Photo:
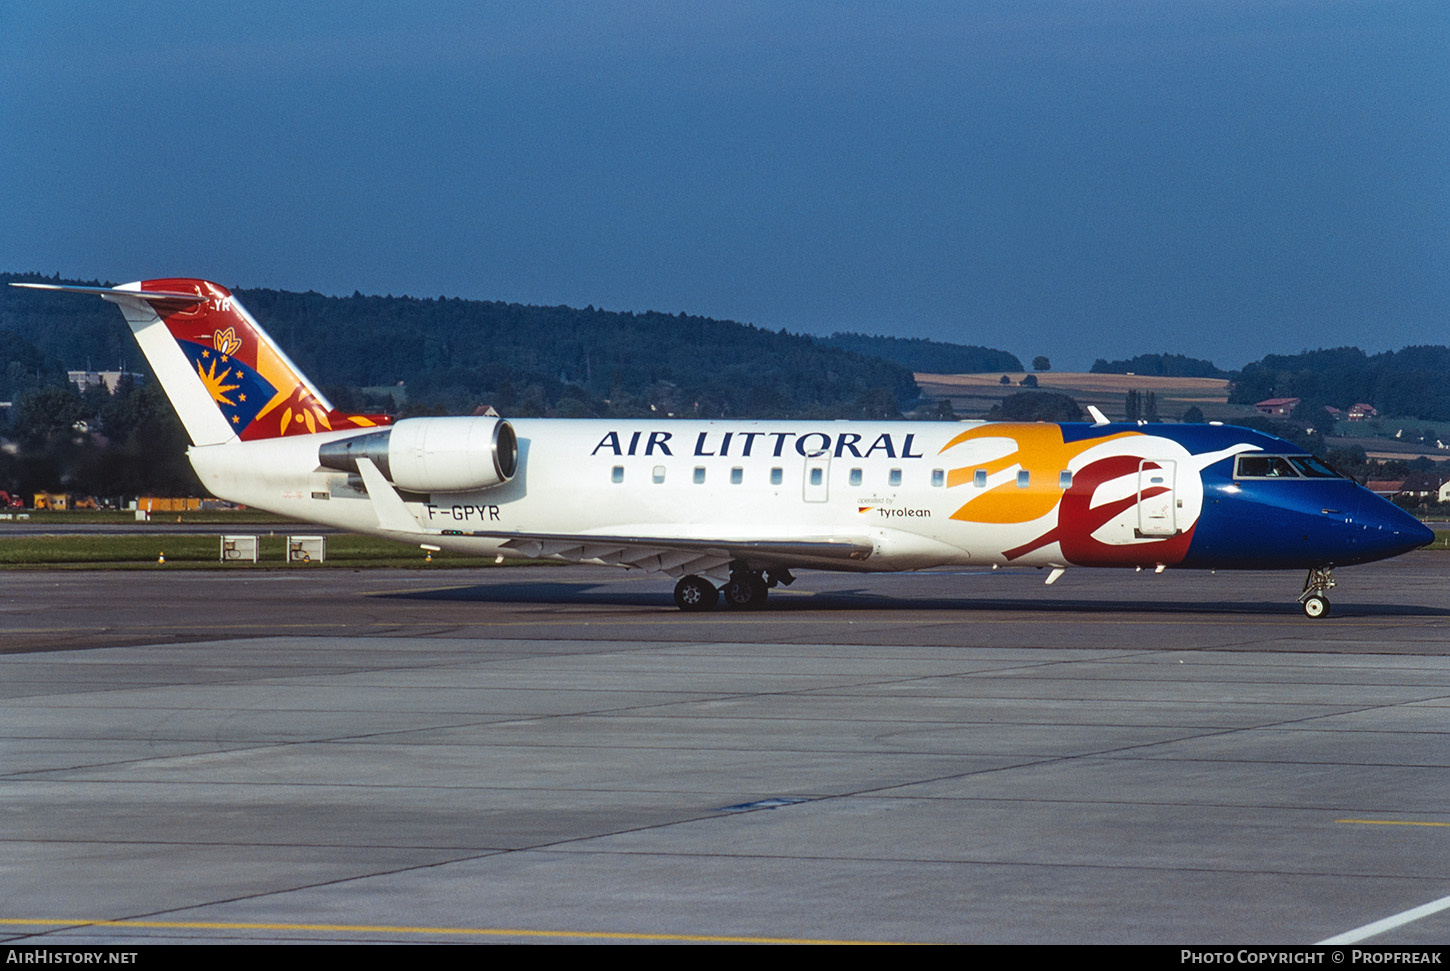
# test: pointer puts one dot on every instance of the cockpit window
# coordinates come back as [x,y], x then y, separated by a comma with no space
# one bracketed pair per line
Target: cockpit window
[1313,468]
[1264,467]
[1258,466]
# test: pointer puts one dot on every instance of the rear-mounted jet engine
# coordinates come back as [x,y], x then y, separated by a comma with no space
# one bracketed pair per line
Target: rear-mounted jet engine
[432,454]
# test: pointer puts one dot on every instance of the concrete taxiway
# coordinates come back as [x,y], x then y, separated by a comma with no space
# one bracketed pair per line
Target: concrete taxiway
[557,754]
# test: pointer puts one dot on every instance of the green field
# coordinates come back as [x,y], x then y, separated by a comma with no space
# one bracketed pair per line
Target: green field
[217,516]
[141,552]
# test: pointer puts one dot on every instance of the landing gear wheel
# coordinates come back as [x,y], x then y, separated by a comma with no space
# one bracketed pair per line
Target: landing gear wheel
[694,593]
[1319,582]
[745,591]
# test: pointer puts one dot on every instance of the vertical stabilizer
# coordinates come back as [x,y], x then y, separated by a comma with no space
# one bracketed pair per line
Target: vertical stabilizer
[223,373]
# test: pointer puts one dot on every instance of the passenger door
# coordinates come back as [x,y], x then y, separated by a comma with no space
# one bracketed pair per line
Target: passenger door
[817,477]
[1157,498]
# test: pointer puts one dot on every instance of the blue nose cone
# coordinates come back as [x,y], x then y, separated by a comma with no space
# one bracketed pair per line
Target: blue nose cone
[1390,531]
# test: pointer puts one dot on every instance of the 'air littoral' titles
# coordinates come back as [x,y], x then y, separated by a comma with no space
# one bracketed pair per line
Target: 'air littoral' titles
[741,444]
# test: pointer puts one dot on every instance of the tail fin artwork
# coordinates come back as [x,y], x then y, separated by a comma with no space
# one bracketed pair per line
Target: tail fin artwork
[224,375]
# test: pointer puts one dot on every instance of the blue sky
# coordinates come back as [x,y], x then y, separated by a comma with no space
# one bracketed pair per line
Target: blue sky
[1078,179]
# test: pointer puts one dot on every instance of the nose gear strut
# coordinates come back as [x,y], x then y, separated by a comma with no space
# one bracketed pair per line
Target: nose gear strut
[1320,579]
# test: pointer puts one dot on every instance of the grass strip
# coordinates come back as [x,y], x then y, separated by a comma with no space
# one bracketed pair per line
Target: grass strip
[128,552]
[112,517]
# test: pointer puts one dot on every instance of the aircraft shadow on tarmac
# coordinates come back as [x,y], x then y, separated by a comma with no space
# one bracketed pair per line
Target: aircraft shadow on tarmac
[587,594]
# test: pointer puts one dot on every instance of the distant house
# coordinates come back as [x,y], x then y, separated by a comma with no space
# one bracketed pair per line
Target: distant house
[1361,411]
[1277,407]
[1389,488]
[90,379]
[1425,485]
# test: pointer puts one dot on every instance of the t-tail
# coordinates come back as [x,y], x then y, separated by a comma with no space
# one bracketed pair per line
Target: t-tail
[226,378]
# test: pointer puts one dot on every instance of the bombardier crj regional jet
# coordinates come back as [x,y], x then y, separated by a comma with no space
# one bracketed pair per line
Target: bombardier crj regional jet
[730,508]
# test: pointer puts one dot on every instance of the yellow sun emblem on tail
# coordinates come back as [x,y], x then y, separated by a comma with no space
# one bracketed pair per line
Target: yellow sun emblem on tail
[213,382]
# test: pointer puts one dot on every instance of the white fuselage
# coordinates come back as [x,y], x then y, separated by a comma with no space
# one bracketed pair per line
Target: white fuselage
[917,494]
[680,479]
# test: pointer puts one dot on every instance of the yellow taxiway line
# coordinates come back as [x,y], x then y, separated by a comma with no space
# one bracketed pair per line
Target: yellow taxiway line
[443,931]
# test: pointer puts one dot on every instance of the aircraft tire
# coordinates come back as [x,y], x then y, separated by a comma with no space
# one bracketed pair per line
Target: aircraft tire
[693,594]
[745,591]
[1316,606]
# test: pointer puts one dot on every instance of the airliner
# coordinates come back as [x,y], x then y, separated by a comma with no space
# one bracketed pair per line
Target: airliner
[730,508]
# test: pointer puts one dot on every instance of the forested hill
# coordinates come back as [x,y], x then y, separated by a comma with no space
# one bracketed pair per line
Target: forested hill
[452,355]
[1162,366]
[1410,382]
[931,357]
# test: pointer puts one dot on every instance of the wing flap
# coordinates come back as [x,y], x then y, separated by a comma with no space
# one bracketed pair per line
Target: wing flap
[675,555]
[679,556]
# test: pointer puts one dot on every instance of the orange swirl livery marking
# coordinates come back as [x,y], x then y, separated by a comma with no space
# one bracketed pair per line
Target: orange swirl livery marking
[1040,451]
[1091,521]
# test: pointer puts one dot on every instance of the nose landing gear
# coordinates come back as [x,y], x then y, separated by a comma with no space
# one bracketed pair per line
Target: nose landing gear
[1319,580]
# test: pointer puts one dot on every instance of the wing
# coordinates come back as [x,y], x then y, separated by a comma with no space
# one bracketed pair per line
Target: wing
[702,555]
[679,556]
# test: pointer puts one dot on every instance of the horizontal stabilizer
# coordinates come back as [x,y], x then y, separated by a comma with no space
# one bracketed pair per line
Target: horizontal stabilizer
[107,292]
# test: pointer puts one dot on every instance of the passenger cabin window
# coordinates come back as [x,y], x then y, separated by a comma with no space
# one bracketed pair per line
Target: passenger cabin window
[699,475]
[776,476]
[938,478]
[617,475]
[737,475]
[894,478]
[979,478]
[658,475]
[855,477]
[1024,479]
[1064,479]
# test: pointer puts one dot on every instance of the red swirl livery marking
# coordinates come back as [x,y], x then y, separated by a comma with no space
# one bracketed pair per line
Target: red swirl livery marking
[1078,519]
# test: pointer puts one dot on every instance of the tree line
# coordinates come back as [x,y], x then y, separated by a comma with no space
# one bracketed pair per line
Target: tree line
[1410,382]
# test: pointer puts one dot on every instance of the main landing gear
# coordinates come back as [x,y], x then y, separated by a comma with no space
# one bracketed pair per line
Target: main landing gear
[694,593]
[745,590]
[1319,580]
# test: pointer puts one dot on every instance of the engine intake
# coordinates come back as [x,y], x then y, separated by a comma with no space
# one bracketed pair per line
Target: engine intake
[433,454]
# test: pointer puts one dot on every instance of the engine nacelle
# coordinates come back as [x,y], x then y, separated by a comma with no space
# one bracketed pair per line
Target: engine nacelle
[433,454]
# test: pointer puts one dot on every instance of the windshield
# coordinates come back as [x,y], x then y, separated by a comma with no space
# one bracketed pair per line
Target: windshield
[1313,468]
[1260,466]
